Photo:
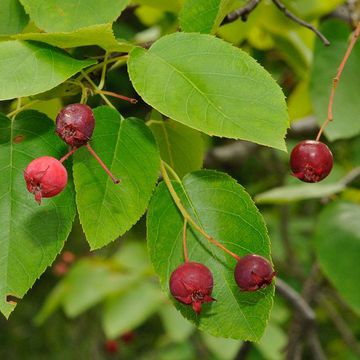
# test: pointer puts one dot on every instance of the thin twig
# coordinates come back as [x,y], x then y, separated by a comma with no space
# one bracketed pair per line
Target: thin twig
[336,80]
[242,13]
[301,22]
[122,97]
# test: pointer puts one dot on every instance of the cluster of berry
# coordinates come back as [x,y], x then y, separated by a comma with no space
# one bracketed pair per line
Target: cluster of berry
[46,176]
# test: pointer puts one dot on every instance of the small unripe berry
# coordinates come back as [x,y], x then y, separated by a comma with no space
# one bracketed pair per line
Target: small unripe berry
[75,124]
[192,283]
[253,272]
[45,177]
[311,161]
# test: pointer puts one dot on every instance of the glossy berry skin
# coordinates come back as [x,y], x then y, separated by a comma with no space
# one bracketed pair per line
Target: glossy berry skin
[192,284]
[45,177]
[253,272]
[311,161]
[75,124]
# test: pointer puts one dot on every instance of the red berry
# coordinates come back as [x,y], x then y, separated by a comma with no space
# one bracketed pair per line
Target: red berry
[128,337]
[45,177]
[311,161]
[60,268]
[111,347]
[75,124]
[253,272]
[192,283]
[68,257]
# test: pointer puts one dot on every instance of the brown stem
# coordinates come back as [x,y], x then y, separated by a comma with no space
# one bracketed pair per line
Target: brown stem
[301,22]
[93,153]
[122,97]
[242,13]
[68,154]
[184,242]
[336,81]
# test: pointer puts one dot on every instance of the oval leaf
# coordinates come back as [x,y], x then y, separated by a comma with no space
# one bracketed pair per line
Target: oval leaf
[31,235]
[128,148]
[228,214]
[180,146]
[207,84]
[69,15]
[337,244]
[20,64]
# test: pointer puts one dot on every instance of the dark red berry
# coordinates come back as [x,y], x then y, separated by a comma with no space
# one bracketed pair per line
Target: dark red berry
[45,177]
[75,124]
[311,161]
[128,337]
[253,272]
[111,347]
[192,283]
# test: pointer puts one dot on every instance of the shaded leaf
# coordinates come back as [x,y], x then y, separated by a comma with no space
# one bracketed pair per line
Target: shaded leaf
[128,148]
[229,215]
[13,18]
[31,235]
[207,84]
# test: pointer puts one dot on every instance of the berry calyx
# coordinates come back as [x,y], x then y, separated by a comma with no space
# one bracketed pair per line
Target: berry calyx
[45,177]
[192,283]
[311,161]
[253,272]
[75,124]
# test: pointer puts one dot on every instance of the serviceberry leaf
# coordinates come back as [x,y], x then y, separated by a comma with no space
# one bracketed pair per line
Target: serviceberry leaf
[129,150]
[214,87]
[180,146]
[69,15]
[226,212]
[326,60]
[29,68]
[31,235]
[13,18]
[337,244]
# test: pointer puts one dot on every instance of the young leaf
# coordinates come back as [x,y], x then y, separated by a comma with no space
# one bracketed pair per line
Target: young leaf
[207,84]
[128,148]
[326,61]
[227,213]
[204,16]
[69,15]
[101,35]
[337,244]
[28,68]
[130,309]
[13,18]
[31,235]
[180,146]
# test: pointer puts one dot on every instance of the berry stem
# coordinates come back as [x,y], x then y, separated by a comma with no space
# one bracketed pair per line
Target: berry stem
[93,153]
[122,97]
[103,71]
[187,216]
[186,256]
[68,154]
[336,79]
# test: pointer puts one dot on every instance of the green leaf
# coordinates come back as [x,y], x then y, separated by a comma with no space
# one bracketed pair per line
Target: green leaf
[272,344]
[224,349]
[13,18]
[69,15]
[128,148]
[346,106]
[28,68]
[204,16]
[228,214]
[180,146]
[291,193]
[337,244]
[165,5]
[131,309]
[215,88]
[101,35]
[31,235]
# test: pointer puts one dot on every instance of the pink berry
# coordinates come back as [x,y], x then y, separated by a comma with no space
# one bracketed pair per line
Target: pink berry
[45,177]
[75,124]
[253,272]
[311,161]
[192,283]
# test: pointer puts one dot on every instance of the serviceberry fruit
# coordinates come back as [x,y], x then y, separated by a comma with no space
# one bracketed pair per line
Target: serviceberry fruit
[192,283]
[75,124]
[45,177]
[111,347]
[311,161]
[253,272]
